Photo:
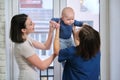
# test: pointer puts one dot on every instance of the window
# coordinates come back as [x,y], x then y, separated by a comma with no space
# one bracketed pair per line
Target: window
[86,11]
[41,11]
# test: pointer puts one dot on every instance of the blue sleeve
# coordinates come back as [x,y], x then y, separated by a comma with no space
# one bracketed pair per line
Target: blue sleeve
[78,23]
[56,19]
[65,54]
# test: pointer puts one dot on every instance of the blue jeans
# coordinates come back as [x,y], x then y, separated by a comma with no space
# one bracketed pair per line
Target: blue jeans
[65,43]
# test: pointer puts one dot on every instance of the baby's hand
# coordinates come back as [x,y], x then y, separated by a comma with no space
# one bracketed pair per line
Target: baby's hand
[54,24]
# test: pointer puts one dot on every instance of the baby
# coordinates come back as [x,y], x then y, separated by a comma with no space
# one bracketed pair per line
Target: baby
[66,23]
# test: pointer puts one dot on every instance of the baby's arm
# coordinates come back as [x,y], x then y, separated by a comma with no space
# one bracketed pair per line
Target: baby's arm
[78,23]
[56,19]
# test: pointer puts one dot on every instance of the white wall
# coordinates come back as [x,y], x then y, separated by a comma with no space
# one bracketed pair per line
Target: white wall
[110,37]
[114,9]
[105,39]
[2,41]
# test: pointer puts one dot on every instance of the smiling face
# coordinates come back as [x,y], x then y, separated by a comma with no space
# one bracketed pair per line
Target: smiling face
[29,26]
[68,15]
[68,18]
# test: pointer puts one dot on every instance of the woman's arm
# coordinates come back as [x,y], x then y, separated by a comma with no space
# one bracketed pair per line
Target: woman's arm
[47,44]
[75,36]
[56,41]
[41,64]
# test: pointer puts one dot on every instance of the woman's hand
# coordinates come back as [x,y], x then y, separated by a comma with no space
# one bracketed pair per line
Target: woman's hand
[53,25]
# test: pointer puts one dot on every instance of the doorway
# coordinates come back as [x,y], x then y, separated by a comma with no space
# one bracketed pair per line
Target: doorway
[38,11]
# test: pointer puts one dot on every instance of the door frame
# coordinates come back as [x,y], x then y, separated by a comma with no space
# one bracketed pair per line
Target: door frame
[11,8]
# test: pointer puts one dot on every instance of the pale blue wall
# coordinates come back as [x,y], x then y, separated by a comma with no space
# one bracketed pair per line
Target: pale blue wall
[114,39]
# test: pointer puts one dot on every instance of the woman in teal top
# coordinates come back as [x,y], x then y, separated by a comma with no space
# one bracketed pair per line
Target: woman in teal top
[82,60]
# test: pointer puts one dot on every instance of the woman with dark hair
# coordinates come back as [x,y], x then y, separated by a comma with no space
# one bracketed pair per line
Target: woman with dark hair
[82,60]
[26,57]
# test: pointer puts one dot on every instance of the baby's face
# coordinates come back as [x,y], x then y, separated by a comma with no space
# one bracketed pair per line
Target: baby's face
[68,19]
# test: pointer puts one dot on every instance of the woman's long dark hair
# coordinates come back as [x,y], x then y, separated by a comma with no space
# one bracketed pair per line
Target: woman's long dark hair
[89,42]
[17,23]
